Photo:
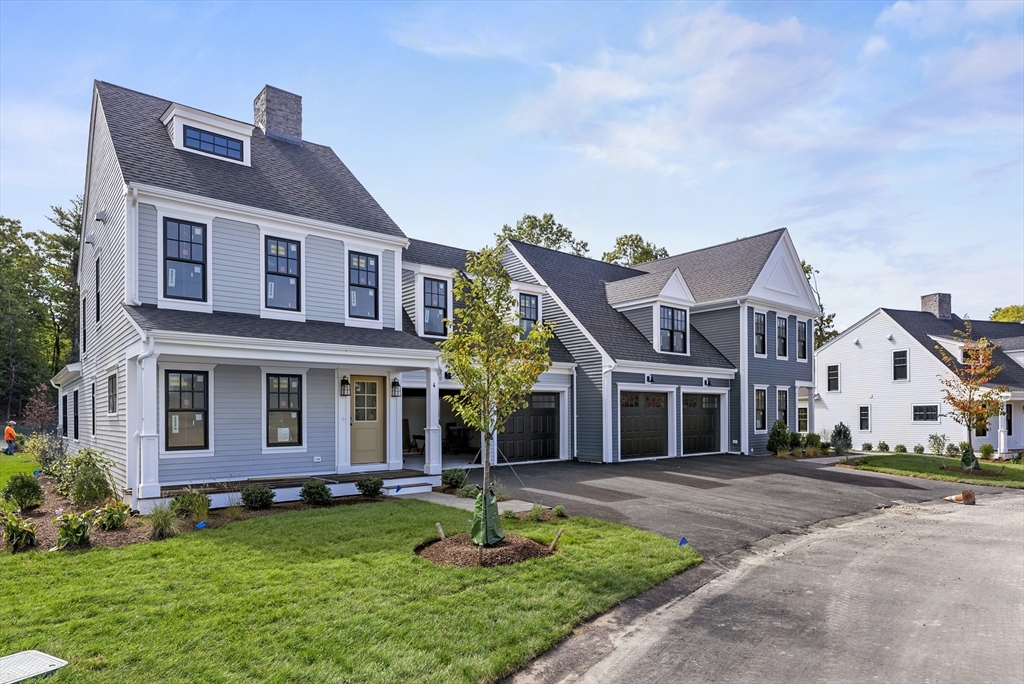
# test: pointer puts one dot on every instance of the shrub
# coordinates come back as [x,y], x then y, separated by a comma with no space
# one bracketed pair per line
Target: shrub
[841,440]
[113,516]
[48,450]
[191,504]
[899,449]
[825,446]
[509,514]
[536,513]
[964,446]
[469,492]
[866,446]
[65,473]
[91,486]
[72,529]
[559,511]
[987,450]
[918,448]
[812,451]
[234,512]
[812,439]
[796,441]
[501,492]
[370,486]
[257,497]
[952,450]
[883,446]
[778,438]
[162,522]
[19,533]
[454,478]
[937,444]
[316,493]
[20,441]
[24,490]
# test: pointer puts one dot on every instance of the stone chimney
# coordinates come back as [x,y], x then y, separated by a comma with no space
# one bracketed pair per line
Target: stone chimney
[278,113]
[939,305]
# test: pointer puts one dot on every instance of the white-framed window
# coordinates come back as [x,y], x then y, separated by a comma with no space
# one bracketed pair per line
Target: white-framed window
[900,365]
[282,273]
[864,418]
[928,413]
[781,336]
[364,273]
[184,259]
[801,340]
[529,304]
[801,419]
[674,329]
[760,334]
[832,377]
[284,402]
[112,394]
[782,406]
[435,306]
[186,415]
[760,408]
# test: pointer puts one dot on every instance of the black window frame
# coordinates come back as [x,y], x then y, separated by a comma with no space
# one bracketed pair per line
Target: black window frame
[905,366]
[430,300]
[93,411]
[1009,420]
[192,409]
[97,289]
[864,418]
[112,393]
[266,418]
[267,272]
[529,305]
[782,407]
[64,415]
[85,319]
[781,337]
[186,140]
[829,378]
[801,340]
[375,288]
[178,259]
[760,334]
[802,419]
[76,416]
[675,327]
[761,409]
[925,410]
[981,429]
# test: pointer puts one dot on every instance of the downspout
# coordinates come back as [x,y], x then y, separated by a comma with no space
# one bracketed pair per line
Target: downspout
[132,242]
[744,381]
[607,400]
[575,421]
[140,387]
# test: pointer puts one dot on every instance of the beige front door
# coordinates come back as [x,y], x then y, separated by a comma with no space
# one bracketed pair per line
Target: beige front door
[368,415]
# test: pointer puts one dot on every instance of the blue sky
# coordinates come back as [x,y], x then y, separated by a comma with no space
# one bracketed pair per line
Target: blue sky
[888,137]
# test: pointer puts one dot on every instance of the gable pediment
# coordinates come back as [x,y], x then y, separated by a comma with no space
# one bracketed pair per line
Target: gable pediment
[668,287]
[782,281]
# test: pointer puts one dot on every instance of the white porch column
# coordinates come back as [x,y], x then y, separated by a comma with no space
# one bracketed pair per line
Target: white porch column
[494,448]
[149,433]
[432,429]
[1002,450]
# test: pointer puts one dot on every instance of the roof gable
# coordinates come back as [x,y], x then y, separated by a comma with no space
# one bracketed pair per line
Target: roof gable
[782,280]
[666,286]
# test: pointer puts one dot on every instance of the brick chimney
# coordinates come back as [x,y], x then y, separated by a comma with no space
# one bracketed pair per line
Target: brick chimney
[278,113]
[939,305]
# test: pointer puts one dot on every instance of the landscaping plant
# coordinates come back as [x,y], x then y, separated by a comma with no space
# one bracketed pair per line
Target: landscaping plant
[113,516]
[918,448]
[937,444]
[469,492]
[986,450]
[899,449]
[91,486]
[509,514]
[24,490]
[778,438]
[883,446]
[191,504]
[65,472]
[796,441]
[455,478]
[48,450]
[952,450]
[841,440]
[257,497]
[162,521]
[536,513]
[559,511]
[812,439]
[370,486]
[316,493]
[866,446]
[19,533]
[72,529]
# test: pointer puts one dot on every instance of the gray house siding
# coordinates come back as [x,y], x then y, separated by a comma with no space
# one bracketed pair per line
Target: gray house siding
[388,289]
[325,290]
[516,269]
[721,328]
[239,427]
[775,373]
[147,253]
[409,294]
[236,266]
[643,320]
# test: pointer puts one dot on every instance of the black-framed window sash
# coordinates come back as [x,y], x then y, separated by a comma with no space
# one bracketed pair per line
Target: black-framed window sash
[981,430]
[97,289]
[926,412]
[85,318]
[185,251]
[284,410]
[186,409]
[865,418]
[435,306]
[760,409]
[899,365]
[673,330]
[75,407]
[528,312]
[781,335]
[1009,420]
[801,419]
[832,373]
[93,410]
[760,332]
[213,143]
[112,393]
[801,340]
[362,286]
[782,407]
[283,277]
[64,416]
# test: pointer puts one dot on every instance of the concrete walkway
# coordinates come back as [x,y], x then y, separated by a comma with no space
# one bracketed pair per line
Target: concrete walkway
[467,504]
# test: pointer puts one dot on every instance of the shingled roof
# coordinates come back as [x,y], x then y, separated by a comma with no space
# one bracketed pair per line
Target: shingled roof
[434,254]
[305,180]
[579,283]
[723,271]
[637,287]
[921,324]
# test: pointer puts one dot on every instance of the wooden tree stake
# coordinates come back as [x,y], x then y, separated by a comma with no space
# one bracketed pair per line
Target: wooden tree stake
[554,542]
[439,530]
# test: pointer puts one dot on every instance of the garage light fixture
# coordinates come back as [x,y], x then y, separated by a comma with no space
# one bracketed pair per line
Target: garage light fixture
[346,387]
[396,388]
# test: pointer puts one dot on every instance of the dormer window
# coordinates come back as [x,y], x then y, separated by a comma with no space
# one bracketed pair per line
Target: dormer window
[212,143]
[435,306]
[528,312]
[673,330]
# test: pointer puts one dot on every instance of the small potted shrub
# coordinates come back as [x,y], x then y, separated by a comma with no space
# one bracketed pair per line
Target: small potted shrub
[370,486]
[24,490]
[316,493]
[257,497]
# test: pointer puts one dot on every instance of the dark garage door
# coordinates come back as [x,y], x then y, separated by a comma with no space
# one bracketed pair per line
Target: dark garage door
[531,434]
[643,423]
[700,423]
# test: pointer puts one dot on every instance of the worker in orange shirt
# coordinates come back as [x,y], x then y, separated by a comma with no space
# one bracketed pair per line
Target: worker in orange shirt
[9,437]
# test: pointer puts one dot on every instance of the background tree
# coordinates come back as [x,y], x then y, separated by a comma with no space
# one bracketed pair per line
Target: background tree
[487,353]
[58,252]
[545,232]
[825,329]
[1014,313]
[971,404]
[40,411]
[632,249]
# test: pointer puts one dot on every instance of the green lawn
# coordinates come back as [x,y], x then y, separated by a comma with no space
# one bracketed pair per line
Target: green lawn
[20,462]
[918,465]
[326,595]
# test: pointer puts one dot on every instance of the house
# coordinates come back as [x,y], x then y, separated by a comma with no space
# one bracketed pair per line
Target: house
[881,377]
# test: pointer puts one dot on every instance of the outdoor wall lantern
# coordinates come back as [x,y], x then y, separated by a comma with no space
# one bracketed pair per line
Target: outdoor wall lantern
[346,387]
[396,388]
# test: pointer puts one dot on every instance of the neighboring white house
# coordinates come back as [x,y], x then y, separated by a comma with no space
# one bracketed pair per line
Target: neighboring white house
[881,377]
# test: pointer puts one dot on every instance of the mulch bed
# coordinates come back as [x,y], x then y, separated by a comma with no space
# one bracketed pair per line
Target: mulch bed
[460,551]
[981,472]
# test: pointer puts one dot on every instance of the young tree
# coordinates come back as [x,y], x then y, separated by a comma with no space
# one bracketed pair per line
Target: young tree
[487,352]
[40,410]
[632,249]
[1014,313]
[970,403]
[825,329]
[544,232]
[58,252]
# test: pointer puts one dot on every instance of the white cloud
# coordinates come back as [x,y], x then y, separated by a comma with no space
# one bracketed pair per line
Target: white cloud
[875,45]
[934,17]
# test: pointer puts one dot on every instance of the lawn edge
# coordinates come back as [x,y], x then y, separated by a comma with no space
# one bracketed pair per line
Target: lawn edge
[928,476]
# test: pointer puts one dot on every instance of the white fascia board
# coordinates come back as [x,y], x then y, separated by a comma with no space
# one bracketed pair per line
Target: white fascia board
[761,303]
[233,126]
[430,271]
[561,367]
[785,252]
[247,214]
[68,373]
[682,293]
[851,329]
[672,369]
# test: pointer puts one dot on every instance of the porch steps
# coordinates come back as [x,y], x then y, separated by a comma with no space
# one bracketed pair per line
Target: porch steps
[412,488]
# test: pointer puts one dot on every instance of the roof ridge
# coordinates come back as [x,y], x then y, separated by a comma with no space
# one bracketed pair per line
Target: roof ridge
[577,256]
[721,244]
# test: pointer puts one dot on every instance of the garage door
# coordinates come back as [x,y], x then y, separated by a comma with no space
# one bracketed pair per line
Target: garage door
[643,424]
[531,434]
[700,423]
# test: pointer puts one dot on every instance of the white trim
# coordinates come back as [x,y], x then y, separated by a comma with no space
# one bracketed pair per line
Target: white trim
[870,417]
[938,413]
[186,367]
[398,288]
[745,333]
[276,233]
[177,116]
[656,327]
[808,340]
[892,365]
[677,370]
[764,388]
[283,370]
[370,250]
[111,371]
[673,408]
[851,329]
[92,408]
[164,212]
[753,332]
[532,290]
[785,318]
[723,418]
[419,303]
[839,378]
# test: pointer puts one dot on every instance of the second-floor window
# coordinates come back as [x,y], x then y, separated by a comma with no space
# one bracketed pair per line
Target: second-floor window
[833,378]
[282,286]
[184,260]
[435,306]
[801,340]
[781,328]
[97,290]
[899,365]
[673,330]
[927,413]
[212,143]
[528,312]
[362,285]
[759,334]
[84,317]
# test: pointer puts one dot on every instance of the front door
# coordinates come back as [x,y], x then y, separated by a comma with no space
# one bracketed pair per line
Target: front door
[368,420]
[643,422]
[700,423]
